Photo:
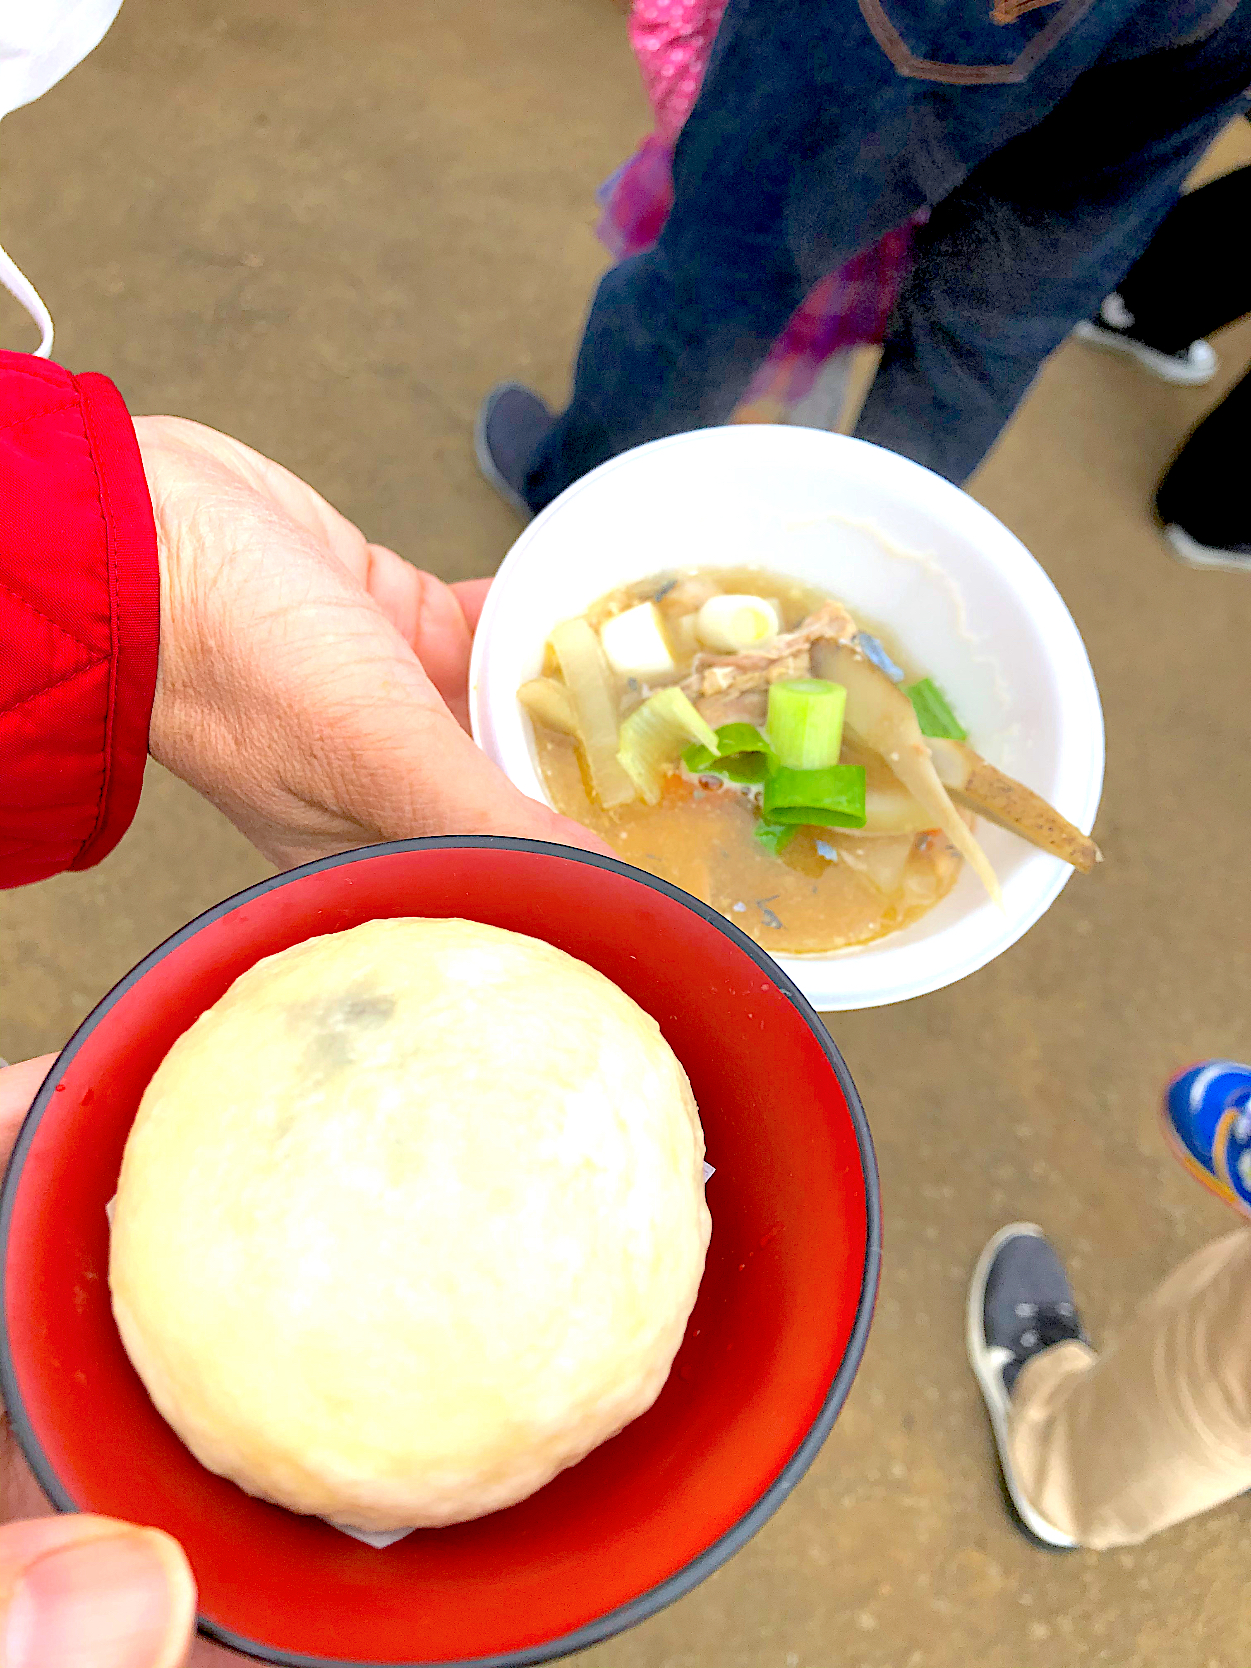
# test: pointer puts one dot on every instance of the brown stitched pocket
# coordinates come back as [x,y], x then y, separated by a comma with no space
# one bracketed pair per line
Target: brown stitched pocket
[1007,11]
[909,63]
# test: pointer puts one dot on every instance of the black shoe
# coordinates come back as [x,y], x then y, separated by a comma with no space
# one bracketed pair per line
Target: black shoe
[1020,1303]
[511,423]
[1195,554]
[1113,327]
[1184,495]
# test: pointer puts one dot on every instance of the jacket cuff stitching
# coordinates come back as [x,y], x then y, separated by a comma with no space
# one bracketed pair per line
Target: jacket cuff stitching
[115,627]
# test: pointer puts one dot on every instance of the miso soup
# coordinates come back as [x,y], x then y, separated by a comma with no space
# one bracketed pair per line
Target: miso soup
[741,735]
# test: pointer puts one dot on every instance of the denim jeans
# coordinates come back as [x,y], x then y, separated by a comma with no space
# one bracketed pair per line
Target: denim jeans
[1049,140]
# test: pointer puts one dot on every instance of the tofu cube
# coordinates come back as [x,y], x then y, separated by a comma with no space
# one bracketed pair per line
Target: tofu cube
[636,645]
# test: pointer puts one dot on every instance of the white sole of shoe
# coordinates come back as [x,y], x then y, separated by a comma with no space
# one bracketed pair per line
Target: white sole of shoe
[1167,366]
[1196,555]
[486,463]
[987,1362]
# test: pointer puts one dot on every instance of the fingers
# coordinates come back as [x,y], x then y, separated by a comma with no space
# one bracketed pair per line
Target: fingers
[438,620]
[566,832]
[18,1087]
[464,793]
[472,595]
[429,616]
[89,1592]
[450,786]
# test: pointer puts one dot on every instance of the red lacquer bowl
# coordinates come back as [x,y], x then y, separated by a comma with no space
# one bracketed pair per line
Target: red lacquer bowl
[777,1333]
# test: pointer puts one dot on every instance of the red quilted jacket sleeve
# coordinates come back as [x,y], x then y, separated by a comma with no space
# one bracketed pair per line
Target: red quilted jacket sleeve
[79,619]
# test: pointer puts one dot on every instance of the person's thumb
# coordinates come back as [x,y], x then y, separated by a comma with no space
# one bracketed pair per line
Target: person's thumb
[89,1592]
[18,1086]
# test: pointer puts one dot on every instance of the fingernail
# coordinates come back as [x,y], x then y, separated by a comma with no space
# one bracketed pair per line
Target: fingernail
[123,1601]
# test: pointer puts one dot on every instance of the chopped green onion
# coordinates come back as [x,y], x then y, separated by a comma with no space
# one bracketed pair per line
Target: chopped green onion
[653,736]
[739,767]
[933,711]
[776,836]
[744,767]
[806,722]
[831,798]
[740,738]
[743,755]
[699,760]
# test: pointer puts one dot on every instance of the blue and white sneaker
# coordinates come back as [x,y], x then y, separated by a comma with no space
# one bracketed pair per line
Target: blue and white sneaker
[1207,1122]
[1020,1304]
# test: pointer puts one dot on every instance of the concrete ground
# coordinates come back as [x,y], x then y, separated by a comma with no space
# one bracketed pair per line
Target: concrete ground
[327,229]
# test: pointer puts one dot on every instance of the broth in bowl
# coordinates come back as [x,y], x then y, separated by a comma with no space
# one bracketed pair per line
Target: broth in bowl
[741,735]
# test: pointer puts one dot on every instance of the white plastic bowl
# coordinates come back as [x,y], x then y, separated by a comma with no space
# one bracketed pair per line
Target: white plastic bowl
[891,540]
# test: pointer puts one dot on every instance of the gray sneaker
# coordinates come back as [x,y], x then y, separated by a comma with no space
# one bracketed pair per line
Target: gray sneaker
[512,421]
[1020,1303]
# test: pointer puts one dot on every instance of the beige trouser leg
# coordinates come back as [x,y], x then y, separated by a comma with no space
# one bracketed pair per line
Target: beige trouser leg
[1111,1447]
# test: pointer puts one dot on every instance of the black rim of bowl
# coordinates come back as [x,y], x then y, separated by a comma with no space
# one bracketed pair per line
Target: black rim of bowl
[712,1557]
